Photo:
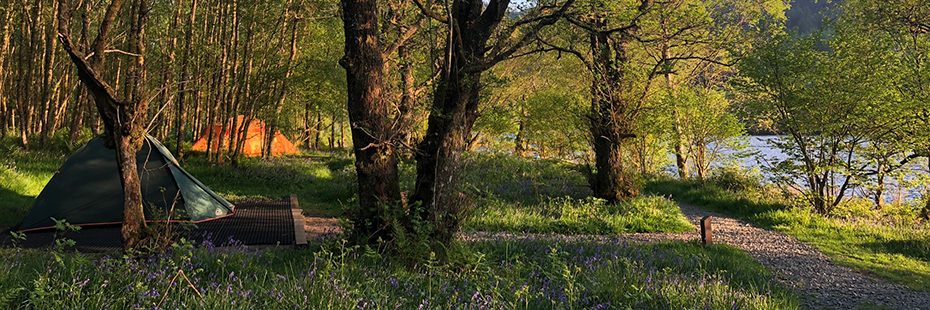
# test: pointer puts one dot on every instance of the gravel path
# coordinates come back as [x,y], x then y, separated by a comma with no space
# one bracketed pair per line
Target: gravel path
[821,283]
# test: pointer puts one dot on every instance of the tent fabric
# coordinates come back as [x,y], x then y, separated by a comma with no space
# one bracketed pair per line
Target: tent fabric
[254,141]
[87,190]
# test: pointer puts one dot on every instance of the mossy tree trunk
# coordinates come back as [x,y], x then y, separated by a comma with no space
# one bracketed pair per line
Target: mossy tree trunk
[612,116]
[370,118]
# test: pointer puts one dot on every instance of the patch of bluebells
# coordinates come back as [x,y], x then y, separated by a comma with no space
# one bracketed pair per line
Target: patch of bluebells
[637,276]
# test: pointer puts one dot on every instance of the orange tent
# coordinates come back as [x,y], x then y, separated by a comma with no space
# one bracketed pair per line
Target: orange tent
[255,137]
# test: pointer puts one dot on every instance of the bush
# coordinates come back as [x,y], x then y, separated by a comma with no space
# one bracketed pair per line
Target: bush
[737,179]
[864,209]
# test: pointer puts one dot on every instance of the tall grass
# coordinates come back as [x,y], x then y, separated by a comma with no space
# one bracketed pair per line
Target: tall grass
[524,275]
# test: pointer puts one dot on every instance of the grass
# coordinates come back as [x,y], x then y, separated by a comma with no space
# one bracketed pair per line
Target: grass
[509,193]
[548,196]
[523,275]
[534,195]
[582,216]
[23,175]
[896,250]
[324,184]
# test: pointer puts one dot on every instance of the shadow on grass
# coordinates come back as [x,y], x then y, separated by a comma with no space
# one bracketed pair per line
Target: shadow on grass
[520,181]
[13,206]
[916,248]
[714,198]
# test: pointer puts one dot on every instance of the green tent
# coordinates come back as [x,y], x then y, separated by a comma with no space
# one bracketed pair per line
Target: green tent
[86,190]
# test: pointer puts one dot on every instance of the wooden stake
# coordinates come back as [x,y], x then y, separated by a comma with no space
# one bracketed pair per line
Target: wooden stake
[707,235]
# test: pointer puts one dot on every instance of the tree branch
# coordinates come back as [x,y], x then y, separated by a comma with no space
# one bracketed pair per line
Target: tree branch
[430,13]
[86,73]
[531,34]
[401,41]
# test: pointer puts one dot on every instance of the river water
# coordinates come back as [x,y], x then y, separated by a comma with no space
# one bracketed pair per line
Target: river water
[760,154]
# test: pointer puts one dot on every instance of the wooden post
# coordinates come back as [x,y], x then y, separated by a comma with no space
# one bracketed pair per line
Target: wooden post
[300,234]
[707,235]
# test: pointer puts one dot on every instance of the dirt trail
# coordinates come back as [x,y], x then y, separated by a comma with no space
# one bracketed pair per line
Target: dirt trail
[819,282]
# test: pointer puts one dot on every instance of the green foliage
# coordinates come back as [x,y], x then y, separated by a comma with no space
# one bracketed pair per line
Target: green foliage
[851,100]
[826,102]
[535,98]
[713,134]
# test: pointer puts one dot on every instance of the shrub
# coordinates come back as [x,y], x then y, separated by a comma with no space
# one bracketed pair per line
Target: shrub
[735,178]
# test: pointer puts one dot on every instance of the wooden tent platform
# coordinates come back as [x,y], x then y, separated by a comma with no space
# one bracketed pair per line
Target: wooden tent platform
[255,223]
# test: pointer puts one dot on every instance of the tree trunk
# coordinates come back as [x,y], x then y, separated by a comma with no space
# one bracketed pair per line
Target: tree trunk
[925,213]
[614,178]
[5,115]
[131,138]
[701,163]
[319,129]
[879,196]
[183,80]
[453,112]
[125,121]
[77,117]
[439,154]
[244,89]
[406,106]
[369,114]
[332,132]
[681,155]
[292,56]
[232,93]
[27,104]
[168,75]
[342,135]
[307,134]
[48,113]
[520,140]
